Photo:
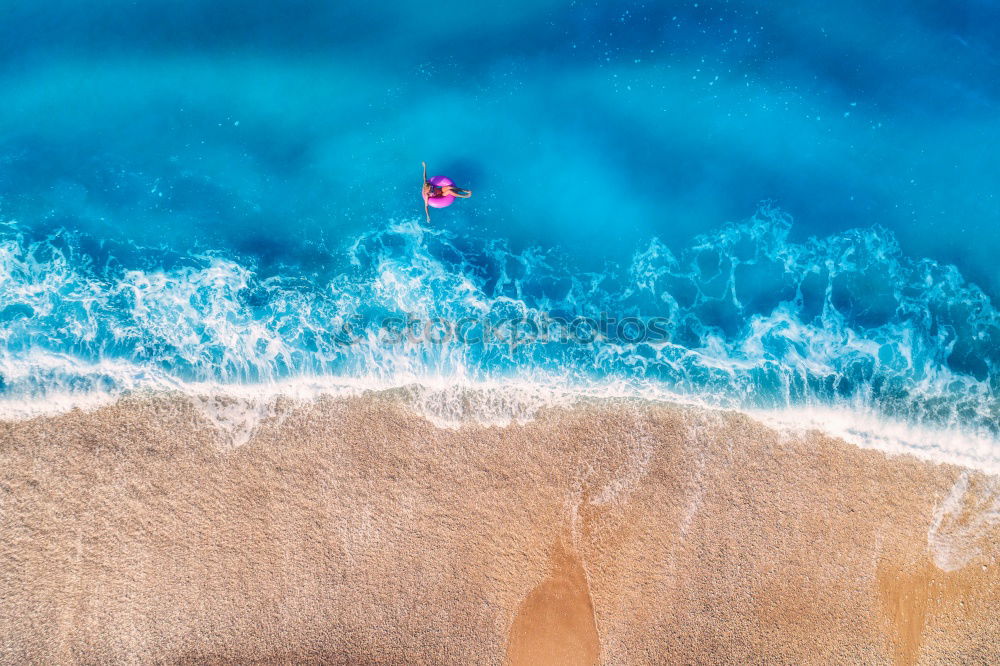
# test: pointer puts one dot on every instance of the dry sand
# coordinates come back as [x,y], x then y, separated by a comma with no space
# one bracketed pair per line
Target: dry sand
[354,531]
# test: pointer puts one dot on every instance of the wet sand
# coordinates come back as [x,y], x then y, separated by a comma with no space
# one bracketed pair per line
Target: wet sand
[354,531]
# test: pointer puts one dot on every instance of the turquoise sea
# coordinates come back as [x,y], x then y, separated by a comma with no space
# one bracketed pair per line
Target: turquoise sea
[767,206]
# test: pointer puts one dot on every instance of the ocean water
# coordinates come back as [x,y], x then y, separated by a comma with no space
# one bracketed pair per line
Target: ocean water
[775,207]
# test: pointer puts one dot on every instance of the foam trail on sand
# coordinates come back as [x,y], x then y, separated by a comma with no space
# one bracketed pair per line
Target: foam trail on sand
[962,522]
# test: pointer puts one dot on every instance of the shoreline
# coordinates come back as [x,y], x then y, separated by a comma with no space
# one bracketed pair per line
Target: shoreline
[352,529]
[449,402]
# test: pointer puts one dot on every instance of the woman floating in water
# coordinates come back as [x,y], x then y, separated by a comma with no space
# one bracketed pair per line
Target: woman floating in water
[439,192]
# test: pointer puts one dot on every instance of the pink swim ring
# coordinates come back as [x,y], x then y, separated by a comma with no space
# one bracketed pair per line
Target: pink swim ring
[440,202]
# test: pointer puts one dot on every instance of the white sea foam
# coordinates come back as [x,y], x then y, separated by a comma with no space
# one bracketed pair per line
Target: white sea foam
[866,429]
[844,333]
[236,410]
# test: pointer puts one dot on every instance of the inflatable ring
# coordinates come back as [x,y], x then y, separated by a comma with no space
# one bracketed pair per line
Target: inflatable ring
[440,202]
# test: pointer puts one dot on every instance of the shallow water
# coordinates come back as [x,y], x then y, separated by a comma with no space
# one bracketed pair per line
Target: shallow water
[207,192]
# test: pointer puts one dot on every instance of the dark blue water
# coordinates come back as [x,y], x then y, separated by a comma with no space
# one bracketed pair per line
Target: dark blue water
[805,194]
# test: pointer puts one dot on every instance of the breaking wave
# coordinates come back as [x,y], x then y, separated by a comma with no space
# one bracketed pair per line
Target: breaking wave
[744,317]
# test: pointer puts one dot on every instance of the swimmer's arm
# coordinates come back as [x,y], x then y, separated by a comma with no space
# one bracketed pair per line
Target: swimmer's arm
[423,192]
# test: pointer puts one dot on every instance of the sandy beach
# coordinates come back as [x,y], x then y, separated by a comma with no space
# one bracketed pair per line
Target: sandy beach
[354,531]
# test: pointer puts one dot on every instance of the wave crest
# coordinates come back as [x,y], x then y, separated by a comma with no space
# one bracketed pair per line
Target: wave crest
[750,319]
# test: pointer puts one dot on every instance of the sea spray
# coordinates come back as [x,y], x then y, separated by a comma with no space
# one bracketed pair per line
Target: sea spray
[742,318]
